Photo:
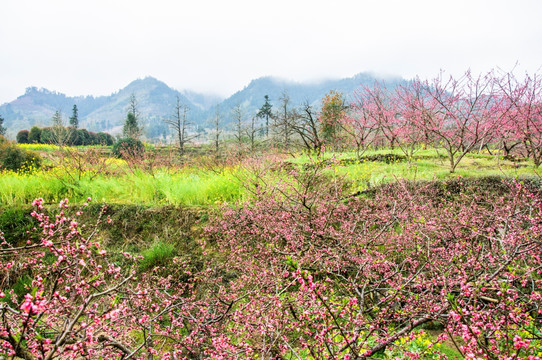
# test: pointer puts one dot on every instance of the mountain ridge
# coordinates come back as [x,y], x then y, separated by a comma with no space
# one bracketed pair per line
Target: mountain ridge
[156,101]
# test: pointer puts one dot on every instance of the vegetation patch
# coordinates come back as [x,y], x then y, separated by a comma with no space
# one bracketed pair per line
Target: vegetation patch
[385,158]
[16,223]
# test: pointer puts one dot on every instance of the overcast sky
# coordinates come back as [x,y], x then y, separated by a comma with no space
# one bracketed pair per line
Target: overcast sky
[97,47]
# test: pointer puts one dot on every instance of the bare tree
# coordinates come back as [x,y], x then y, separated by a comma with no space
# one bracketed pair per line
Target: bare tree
[463,113]
[217,122]
[283,121]
[237,114]
[180,123]
[59,133]
[307,127]
[252,133]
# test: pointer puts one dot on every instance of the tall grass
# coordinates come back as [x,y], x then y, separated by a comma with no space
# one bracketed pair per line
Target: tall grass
[186,187]
[198,186]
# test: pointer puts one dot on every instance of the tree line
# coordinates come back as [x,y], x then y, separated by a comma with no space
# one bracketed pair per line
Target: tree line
[68,136]
[59,134]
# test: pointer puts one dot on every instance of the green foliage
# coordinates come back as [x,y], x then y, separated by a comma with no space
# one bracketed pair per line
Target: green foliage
[21,287]
[333,109]
[204,186]
[64,136]
[128,147]
[387,158]
[105,139]
[159,254]
[15,222]
[74,119]
[16,159]
[189,187]
[34,137]
[82,137]
[265,112]
[131,128]
[57,120]
[419,345]
[47,136]
[2,128]
[22,137]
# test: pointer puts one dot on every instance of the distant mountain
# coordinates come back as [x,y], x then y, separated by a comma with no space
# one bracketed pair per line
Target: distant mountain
[202,101]
[251,98]
[156,101]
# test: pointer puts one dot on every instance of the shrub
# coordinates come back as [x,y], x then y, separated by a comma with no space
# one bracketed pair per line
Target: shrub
[47,136]
[15,159]
[105,139]
[34,136]
[83,137]
[73,137]
[128,147]
[369,271]
[94,138]
[22,137]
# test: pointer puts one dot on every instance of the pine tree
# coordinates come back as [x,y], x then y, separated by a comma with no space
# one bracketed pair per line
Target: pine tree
[2,128]
[265,112]
[130,129]
[74,119]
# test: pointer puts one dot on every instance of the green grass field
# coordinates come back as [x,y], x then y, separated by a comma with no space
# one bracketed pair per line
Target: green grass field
[193,185]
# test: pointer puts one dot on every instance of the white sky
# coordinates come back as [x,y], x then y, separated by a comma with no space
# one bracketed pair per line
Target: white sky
[81,47]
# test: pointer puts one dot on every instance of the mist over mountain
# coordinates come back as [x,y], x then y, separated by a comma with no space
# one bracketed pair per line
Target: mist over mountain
[156,102]
[251,98]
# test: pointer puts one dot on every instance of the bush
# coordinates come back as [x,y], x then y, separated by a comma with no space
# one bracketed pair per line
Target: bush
[105,139]
[22,137]
[16,159]
[73,136]
[47,136]
[128,147]
[83,137]
[93,138]
[34,136]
